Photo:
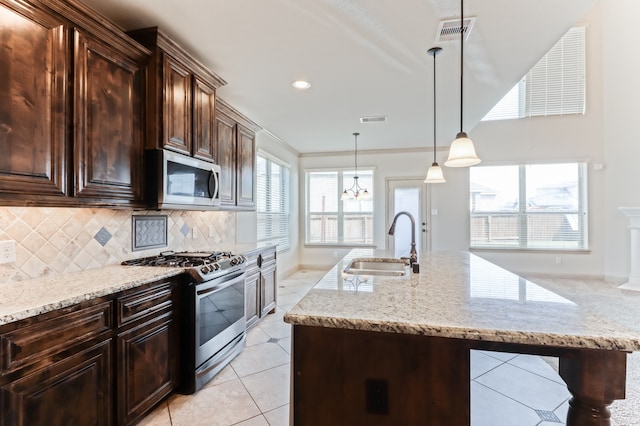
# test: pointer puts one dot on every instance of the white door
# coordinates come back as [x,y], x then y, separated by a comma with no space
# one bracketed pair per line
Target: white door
[408,195]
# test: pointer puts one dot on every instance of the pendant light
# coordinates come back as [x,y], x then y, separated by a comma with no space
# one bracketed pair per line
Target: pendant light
[356,191]
[434,174]
[462,152]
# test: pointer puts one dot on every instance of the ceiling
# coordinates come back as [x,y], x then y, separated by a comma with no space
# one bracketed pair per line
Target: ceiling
[362,57]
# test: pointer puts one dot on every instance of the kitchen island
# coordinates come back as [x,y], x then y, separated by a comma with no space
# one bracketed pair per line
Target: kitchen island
[395,350]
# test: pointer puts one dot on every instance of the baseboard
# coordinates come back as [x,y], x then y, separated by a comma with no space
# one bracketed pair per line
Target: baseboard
[316,267]
[533,275]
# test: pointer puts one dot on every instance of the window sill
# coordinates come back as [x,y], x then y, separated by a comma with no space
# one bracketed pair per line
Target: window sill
[337,245]
[528,250]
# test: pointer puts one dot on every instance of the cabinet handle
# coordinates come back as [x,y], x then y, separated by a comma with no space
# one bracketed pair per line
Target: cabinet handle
[259,261]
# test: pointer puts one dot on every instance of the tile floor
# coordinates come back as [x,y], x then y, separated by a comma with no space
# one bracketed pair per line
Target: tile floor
[506,389]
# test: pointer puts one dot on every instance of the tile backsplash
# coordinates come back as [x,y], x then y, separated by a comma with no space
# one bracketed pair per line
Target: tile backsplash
[52,241]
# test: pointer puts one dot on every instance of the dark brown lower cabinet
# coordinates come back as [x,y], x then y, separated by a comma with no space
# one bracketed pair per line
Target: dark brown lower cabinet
[147,349]
[106,361]
[251,300]
[73,391]
[145,375]
[260,284]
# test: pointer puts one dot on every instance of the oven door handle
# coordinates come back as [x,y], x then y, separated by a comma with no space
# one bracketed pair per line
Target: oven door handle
[229,280]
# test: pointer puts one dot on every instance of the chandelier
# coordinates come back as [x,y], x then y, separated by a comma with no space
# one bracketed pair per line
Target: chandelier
[356,191]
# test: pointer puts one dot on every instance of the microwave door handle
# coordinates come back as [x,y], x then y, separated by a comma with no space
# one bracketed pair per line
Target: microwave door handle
[214,177]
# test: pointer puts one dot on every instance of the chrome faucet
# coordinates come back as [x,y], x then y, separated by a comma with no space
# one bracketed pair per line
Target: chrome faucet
[413,257]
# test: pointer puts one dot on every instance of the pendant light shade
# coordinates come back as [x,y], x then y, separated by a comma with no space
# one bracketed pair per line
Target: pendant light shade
[434,174]
[462,153]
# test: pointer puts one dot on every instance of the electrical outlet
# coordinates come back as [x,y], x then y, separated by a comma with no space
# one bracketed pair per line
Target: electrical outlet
[377,396]
[212,231]
[7,251]
[558,260]
[194,233]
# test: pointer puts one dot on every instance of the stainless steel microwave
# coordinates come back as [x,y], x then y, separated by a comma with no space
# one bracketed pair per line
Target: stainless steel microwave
[183,182]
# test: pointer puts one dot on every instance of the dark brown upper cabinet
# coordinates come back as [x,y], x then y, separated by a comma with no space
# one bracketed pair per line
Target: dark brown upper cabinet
[204,108]
[108,122]
[34,104]
[181,97]
[246,165]
[235,146]
[70,135]
[226,149]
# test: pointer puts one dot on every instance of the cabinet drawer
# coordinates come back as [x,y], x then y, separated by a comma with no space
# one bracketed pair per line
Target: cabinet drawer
[268,256]
[145,304]
[36,343]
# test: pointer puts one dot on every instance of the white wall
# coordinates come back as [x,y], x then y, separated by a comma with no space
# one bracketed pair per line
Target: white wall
[288,261]
[621,63]
[539,139]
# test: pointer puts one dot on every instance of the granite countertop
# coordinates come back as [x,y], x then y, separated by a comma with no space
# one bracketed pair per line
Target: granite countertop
[460,295]
[24,299]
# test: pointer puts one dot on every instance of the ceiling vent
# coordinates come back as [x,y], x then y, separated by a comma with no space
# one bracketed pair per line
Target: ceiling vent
[374,119]
[449,30]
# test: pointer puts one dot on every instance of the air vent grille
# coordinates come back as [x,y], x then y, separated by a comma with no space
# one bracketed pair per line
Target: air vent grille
[449,30]
[374,119]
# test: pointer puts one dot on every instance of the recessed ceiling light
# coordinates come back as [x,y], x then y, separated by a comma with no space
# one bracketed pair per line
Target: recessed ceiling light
[301,84]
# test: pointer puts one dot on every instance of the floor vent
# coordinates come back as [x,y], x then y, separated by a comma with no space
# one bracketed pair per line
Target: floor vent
[449,30]
[374,119]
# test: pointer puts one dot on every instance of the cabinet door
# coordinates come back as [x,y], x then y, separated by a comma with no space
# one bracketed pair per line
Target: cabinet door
[147,369]
[73,391]
[177,106]
[33,104]
[268,289]
[246,167]
[108,122]
[226,158]
[204,102]
[252,287]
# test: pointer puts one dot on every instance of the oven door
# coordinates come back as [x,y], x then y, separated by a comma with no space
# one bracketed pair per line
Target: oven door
[188,182]
[219,314]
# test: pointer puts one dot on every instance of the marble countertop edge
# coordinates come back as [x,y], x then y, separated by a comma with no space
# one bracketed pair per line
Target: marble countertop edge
[568,341]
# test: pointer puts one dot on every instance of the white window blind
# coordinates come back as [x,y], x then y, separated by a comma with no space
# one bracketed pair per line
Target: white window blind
[556,85]
[537,206]
[329,220]
[272,203]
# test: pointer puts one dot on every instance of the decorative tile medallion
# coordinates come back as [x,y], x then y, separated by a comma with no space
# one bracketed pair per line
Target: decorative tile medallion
[102,236]
[148,232]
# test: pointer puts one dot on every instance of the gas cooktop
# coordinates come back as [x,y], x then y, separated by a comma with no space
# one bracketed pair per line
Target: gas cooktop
[202,266]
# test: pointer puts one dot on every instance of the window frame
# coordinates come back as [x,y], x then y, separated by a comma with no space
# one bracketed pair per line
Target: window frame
[285,185]
[341,214]
[523,212]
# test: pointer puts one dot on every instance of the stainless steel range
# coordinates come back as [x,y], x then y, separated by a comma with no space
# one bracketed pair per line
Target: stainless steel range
[213,316]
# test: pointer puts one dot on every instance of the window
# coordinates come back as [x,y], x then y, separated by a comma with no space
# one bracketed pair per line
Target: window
[538,206]
[332,221]
[272,202]
[554,86]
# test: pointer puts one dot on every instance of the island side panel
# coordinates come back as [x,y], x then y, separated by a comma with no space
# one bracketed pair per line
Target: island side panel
[362,377]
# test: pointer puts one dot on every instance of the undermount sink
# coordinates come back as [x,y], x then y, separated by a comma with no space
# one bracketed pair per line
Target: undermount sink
[377,266]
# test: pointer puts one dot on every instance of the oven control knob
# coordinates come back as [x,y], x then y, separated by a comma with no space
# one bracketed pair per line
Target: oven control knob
[215,267]
[235,261]
[204,269]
